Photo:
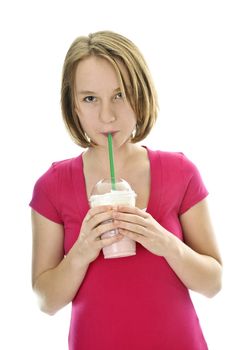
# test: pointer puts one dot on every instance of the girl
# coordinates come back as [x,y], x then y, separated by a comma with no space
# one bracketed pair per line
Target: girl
[137,302]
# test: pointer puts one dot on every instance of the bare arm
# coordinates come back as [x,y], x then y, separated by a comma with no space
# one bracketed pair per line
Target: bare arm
[55,278]
[196,261]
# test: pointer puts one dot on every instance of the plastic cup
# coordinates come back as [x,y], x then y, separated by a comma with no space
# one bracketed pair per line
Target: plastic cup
[103,194]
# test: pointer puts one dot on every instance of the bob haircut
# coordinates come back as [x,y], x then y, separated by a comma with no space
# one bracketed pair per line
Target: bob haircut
[116,49]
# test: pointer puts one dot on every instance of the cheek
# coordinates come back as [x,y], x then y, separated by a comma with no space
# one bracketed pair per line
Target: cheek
[87,123]
[128,114]
[86,113]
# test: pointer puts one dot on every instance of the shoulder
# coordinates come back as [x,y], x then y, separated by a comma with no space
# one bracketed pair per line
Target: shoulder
[172,160]
[174,167]
[58,170]
[64,165]
[180,179]
[52,187]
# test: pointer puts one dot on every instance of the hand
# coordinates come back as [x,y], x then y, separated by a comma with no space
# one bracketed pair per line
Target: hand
[89,242]
[144,229]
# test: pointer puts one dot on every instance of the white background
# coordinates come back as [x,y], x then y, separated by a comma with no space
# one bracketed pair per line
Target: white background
[187,45]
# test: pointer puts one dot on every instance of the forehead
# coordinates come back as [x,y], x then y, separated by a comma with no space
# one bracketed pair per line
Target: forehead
[98,72]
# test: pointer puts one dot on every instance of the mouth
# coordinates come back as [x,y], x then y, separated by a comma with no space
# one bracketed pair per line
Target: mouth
[109,132]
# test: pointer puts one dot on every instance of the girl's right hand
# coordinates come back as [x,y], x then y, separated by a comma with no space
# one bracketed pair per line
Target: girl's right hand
[89,243]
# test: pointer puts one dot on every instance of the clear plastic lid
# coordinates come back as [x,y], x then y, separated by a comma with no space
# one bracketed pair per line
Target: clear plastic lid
[103,194]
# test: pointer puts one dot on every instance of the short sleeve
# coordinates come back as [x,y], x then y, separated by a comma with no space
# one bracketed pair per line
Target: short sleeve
[45,198]
[194,187]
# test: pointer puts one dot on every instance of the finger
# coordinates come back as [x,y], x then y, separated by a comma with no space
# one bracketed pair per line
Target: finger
[97,210]
[104,242]
[101,218]
[103,228]
[135,237]
[133,218]
[132,227]
[133,210]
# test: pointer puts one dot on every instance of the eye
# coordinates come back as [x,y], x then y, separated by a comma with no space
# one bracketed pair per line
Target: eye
[89,99]
[118,96]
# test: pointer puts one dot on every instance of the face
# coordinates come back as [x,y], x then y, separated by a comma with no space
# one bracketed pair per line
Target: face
[100,104]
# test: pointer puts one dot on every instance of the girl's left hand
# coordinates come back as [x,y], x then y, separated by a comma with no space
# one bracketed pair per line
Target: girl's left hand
[141,227]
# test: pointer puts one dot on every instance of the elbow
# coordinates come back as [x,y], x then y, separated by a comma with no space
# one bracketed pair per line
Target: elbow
[213,291]
[216,285]
[47,309]
[208,291]
[211,286]
[43,303]
[48,306]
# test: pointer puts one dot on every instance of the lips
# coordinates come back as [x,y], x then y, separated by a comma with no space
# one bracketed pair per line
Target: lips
[106,133]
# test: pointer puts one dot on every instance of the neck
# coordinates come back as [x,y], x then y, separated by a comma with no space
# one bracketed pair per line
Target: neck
[99,156]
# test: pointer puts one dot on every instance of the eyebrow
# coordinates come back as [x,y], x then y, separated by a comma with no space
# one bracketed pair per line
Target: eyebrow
[89,92]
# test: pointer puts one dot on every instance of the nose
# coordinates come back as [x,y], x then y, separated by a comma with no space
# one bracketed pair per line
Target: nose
[106,113]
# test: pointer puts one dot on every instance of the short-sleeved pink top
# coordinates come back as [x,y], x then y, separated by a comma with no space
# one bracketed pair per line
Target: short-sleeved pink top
[137,302]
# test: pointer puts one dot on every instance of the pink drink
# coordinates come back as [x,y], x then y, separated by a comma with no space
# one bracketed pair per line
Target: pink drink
[122,195]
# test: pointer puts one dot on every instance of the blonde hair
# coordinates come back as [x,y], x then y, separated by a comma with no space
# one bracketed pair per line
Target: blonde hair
[116,49]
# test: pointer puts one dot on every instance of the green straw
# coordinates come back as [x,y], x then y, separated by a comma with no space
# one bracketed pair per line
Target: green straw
[111,157]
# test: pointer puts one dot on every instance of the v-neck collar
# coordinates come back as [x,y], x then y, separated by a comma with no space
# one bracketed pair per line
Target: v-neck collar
[155,184]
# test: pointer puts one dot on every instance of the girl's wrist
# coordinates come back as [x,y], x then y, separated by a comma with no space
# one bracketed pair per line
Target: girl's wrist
[174,247]
[76,259]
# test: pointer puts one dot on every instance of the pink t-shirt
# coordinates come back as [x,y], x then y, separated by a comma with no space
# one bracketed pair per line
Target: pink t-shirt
[137,302]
